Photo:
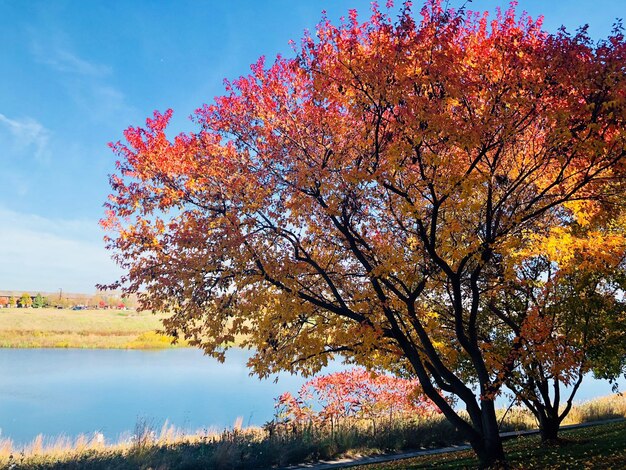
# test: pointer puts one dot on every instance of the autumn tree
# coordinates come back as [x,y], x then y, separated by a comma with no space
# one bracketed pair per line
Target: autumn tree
[563,300]
[61,302]
[25,300]
[356,199]
[12,302]
[352,394]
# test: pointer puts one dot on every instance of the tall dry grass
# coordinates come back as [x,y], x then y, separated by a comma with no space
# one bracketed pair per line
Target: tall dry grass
[612,406]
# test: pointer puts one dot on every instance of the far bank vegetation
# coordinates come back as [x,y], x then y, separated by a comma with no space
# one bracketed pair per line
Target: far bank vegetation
[48,327]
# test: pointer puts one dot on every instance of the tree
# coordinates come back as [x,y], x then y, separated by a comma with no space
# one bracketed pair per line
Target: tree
[127,303]
[38,302]
[12,302]
[25,300]
[355,200]
[565,304]
[353,394]
[4,302]
[61,302]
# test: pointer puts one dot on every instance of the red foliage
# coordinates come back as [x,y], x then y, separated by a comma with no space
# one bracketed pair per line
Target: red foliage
[355,393]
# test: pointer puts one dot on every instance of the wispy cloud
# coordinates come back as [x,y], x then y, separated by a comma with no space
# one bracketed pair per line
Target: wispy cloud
[43,254]
[65,61]
[89,84]
[25,134]
[103,102]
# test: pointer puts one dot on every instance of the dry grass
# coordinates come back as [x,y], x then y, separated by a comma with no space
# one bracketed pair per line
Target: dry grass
[64,328]
[129,449]
[613,406]
[516,419]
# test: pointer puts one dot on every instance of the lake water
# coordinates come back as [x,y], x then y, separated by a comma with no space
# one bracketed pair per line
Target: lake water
[73,391]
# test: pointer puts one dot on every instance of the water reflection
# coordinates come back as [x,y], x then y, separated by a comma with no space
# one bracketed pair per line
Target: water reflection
[70,391]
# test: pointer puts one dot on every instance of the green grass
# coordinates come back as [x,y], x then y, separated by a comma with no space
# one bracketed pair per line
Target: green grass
[64,328]
[596,447]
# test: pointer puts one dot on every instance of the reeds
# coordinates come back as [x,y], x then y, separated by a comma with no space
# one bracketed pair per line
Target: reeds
[612,406]
[235,448]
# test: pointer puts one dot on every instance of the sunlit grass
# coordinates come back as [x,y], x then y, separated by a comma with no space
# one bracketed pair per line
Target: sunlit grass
[596,447]
[64,328]
[613,406]
[146,447]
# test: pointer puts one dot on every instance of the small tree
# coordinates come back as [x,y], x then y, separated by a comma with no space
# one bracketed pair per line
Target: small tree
[353,394]
[12,302]
[4,302]
[127,302]
[62,302]
[566,308]
[39,301]
[96,301]
[25,300]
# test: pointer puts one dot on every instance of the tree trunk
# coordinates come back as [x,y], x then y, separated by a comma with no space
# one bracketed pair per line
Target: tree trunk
[481,431]
[490,452]
[549,428]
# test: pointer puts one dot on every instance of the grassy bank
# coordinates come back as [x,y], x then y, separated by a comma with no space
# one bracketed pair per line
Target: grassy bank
[594,447]
[257,448]
[64,328]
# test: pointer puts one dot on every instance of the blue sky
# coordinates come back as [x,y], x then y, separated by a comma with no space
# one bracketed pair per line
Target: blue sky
[75,74]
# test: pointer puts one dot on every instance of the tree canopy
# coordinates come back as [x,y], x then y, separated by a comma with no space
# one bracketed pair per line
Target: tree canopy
[564,302]
[352,394]
[39,301]
[25,300]
[367,197]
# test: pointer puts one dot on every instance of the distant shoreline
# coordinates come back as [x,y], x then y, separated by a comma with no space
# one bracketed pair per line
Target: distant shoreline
[82,329]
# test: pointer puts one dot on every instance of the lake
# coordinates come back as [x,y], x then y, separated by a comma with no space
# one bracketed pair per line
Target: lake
[73,391]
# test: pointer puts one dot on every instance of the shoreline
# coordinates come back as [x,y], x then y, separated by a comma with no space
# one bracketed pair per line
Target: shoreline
[30,328]
[150,446]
